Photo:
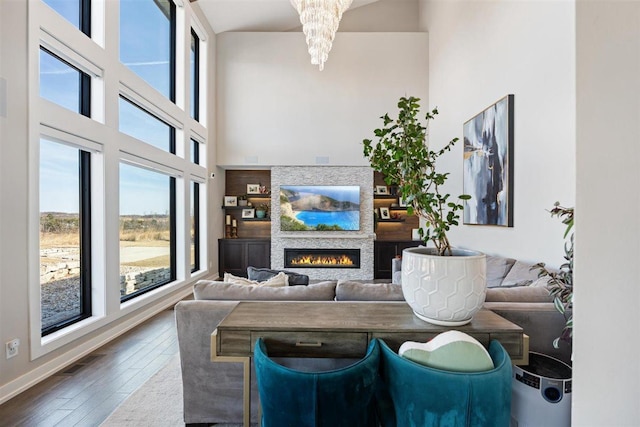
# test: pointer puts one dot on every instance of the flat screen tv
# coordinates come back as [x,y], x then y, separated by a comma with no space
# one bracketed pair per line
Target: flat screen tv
[319,208]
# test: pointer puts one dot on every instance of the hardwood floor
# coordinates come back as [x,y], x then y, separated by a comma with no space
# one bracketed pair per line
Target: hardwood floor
[85,393]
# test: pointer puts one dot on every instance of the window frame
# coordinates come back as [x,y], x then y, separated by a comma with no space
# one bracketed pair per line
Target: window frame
[85,243]
[172,234]
[195,84]
[196,226]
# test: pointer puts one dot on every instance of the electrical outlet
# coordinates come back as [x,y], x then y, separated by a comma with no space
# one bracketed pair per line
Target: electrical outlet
[12,348]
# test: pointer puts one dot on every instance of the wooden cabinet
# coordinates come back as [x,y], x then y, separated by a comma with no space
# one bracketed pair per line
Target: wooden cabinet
[384,251]
[235,255]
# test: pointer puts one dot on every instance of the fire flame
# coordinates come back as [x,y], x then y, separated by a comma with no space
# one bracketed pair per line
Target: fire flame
[322,260]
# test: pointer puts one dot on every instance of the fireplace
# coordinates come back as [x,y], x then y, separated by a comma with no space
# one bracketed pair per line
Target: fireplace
[321,258]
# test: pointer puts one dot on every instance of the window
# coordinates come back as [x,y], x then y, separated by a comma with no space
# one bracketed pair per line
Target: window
[65,235]
[195,152]
[147,42]
[194,63]
[147,230]
[195,227]
[78,12]
[64,84]
[140,124]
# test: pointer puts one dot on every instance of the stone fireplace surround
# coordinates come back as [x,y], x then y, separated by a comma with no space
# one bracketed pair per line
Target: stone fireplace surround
[362,239]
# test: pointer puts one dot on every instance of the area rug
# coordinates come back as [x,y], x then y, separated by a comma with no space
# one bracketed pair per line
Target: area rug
[158,402]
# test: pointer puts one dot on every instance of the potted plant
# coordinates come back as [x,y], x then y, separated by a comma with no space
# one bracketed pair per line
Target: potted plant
[561,281]
[401,153]
[261,210]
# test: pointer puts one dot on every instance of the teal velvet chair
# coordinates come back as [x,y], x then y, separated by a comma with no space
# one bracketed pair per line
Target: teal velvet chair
[342,397]
[416,395]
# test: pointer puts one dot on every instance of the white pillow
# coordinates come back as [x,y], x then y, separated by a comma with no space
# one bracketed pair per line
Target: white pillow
[279,279]
[449,351]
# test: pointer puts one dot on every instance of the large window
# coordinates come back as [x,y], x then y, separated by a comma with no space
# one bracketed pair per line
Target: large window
[147,230]
[147,42]
[138,123]
[195,227]
[78,12]
[64,84]
[65,235]
[194,63]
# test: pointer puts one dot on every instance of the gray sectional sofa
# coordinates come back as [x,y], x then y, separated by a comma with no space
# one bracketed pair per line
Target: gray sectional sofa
[213,390]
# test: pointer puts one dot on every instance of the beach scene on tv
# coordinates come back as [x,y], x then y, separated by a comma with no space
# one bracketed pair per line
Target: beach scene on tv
[319,208]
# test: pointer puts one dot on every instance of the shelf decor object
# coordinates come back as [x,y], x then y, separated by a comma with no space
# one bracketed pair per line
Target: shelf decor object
[320,20]
[488,165]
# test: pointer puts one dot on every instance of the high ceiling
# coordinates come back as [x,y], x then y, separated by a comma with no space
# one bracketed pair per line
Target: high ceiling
[254,15]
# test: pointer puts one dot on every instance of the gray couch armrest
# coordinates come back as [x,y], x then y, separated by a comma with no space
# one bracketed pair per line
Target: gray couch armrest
[208,387]
[540,321]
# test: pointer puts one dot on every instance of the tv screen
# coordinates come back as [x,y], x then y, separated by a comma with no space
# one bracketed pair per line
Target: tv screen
[319,208]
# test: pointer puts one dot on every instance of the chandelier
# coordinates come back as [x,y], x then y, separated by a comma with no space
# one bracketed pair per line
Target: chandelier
[320,20]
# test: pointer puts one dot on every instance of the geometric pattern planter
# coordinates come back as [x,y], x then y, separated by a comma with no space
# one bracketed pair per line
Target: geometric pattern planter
[444,290]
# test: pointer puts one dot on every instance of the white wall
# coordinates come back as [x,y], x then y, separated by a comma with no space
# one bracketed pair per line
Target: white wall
[275,108]
[606,368]
[480,51]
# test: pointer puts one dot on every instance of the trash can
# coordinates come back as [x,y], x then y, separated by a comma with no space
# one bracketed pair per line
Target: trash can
[541,393]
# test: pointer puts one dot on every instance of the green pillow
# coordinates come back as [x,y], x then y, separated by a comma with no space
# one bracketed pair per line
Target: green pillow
[449,351]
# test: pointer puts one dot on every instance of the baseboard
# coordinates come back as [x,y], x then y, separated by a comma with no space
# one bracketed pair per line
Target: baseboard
[44,371]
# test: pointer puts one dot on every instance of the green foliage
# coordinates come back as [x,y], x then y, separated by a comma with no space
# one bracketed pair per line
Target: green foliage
[288,224]
[561,281]
[402,155]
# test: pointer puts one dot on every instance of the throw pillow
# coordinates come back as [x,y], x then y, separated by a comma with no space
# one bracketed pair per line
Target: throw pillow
[280,279]
[520,275]
[497,269]
[450,351]
[262,274]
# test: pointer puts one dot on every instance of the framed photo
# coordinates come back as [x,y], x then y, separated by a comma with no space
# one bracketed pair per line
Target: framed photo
[253,188]
[381,189]
[231,200]
[248,213]
[488,165]
[384,213]
[402,202]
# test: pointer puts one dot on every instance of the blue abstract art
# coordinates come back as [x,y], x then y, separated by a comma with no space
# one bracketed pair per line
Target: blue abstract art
[488,165]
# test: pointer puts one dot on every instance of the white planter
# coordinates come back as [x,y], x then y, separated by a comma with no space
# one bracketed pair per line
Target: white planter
[444,290]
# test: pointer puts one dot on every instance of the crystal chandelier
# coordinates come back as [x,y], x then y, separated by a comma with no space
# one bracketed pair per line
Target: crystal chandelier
[320,20]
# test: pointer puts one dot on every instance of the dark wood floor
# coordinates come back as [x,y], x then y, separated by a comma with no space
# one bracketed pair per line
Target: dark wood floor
[85,393]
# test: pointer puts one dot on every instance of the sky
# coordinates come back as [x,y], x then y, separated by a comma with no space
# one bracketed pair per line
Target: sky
[144,47]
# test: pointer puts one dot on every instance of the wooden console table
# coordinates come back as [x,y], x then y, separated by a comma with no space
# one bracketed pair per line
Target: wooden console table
[340,330]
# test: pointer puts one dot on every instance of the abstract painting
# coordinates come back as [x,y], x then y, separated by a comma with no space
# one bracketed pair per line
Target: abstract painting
[488,165]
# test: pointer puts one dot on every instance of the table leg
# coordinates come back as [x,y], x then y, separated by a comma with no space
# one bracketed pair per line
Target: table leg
[246,377]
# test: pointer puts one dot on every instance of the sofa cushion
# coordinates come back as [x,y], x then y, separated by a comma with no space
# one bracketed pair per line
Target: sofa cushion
[357,291]
[519,294]
[279,279]
[262,274]
[497,269]
[213,290]
[449,351]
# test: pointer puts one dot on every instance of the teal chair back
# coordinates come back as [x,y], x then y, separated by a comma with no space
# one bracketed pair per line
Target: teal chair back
[416,395]
[342,397]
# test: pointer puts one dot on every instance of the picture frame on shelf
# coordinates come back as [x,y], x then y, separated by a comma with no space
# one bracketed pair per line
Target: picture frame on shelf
[402,202]
[384,213]
[248,213]
[253,189]
[231,200]
[382,190]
